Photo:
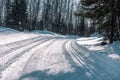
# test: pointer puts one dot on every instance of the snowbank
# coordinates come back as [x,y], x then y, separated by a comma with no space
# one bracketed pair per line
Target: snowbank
[8,35]
[113,50]
[94,39]
[96,34]
[89,41]
[43,32]
[48,58]
[7,30]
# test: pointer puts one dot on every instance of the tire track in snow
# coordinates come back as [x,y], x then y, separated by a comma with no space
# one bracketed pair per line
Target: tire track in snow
[83,55]
[100,71]
[81,60]
[101,61]
[76,55]
[32,61]
[66,51]
[91,66]
[71,51]
[12,57]
[70,54]
[5,49]
[14,44]
[50,58]
[21,64]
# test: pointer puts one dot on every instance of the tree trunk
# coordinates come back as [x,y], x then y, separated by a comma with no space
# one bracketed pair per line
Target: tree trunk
[112,22]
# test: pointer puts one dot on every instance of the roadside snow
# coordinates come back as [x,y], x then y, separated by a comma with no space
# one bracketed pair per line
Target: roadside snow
[18,66]
[8,35]
[96,34]
[43,32]
[44,55]
[114,56]
[106,58]
[90,41]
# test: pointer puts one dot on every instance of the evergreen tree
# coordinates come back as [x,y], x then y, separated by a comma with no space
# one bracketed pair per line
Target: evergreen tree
[82,26]
[102,12]
[9,20]
[19,13]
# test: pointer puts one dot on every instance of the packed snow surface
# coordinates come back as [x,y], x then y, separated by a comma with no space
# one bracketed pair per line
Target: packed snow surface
[44,55]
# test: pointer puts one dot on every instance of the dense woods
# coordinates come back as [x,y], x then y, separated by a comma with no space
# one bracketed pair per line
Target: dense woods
[105,16]
[63,16]
[53,15]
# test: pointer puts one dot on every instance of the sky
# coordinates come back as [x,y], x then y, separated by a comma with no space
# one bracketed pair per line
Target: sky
[77,0]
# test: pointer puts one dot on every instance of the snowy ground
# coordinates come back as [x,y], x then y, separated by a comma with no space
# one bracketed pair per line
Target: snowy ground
[43,55]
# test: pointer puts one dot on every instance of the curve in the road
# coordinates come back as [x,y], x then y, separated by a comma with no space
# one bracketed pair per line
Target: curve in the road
[8,59]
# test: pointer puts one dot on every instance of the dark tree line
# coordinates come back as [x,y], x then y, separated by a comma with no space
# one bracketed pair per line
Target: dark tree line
[16,14]
[105,16]
[53,15]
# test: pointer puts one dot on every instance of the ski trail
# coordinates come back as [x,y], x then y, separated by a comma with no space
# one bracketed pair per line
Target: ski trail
[51,58]
[81,58]
[7,48]
[93,64]
[13,56]
[55,58]
[71,52]
[18,66]
[104,64]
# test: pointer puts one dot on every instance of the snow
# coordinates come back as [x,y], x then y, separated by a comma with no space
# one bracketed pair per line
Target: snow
[8,35]
[44,55]
[90,41]
[6,30]
[114,56]
[43,32]
[96,34]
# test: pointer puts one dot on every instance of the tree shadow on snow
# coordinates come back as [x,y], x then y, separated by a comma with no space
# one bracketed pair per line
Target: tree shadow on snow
[96,67]
[43,75]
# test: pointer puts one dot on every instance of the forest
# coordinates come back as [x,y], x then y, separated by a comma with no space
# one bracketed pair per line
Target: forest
[67,17]
[59,39]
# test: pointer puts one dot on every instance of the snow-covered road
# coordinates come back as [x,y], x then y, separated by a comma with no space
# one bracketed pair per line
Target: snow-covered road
[55,58]
[39,53]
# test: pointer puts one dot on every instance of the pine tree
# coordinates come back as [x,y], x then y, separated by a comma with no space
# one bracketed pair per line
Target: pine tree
[82,26]
[19,13]
[9,19]
[102,12]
